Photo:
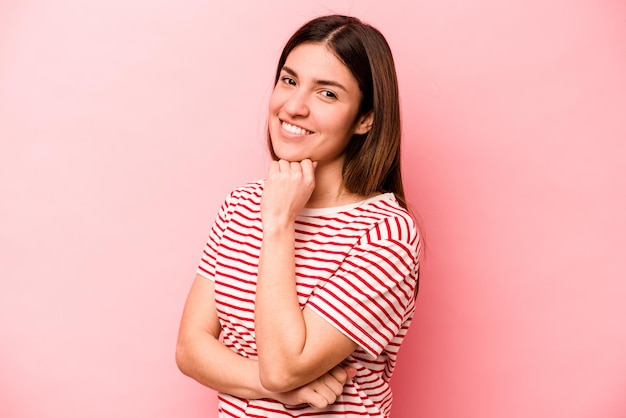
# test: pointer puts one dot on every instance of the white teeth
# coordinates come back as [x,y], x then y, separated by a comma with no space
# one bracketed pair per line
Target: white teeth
[295,129]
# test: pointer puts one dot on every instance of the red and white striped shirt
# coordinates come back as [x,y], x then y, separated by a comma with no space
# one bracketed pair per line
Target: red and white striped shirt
[356,266]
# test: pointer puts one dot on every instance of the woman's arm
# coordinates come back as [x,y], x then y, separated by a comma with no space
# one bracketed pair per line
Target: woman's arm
[295,346]
[201,356]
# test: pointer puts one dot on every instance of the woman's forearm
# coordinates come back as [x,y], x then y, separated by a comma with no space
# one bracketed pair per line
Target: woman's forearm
[279,323]
[214,365]
[295,346]
[201,356]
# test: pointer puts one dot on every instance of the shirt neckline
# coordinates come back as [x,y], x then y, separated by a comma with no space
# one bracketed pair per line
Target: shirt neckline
[312,212]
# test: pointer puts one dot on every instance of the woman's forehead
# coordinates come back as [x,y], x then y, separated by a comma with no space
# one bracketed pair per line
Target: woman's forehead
[317,61]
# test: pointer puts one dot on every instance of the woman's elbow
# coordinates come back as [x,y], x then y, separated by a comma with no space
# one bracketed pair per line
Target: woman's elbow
[182,358]
[278,381]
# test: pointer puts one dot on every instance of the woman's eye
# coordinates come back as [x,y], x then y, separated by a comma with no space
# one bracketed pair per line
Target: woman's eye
[290,81]
[329,94]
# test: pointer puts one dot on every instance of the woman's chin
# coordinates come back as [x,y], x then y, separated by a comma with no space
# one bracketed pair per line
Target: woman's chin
[291,156]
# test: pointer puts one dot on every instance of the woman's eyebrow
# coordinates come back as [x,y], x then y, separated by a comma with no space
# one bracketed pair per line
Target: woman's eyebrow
[331,83]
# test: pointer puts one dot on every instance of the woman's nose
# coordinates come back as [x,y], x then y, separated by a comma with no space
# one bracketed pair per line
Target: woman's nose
[297,104]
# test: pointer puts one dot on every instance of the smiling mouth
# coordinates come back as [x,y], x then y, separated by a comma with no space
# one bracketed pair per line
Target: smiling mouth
[293,129]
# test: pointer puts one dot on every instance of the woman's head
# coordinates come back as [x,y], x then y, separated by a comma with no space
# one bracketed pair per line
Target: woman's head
[372,155]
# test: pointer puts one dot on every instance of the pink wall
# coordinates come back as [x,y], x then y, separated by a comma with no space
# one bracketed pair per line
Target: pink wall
[124,123]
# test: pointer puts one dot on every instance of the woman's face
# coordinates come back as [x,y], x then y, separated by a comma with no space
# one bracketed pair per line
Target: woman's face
[314,106]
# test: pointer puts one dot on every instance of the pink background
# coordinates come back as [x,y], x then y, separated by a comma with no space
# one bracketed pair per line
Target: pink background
[124,123]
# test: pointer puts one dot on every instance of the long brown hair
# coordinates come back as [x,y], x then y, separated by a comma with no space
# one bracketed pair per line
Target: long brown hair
[372,162]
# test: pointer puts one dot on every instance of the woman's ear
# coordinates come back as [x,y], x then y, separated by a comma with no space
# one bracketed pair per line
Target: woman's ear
[364,123]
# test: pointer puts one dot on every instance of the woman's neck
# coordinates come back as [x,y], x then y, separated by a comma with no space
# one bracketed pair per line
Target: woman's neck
[329,189]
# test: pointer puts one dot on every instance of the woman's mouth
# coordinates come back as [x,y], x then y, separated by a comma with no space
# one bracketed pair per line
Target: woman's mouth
[293,129]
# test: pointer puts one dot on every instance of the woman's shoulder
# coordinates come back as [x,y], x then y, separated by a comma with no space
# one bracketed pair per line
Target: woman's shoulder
[244,194]
[390,220]
[386,206]
[251,188]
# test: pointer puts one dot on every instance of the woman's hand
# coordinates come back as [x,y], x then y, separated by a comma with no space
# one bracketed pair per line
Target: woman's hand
[321,392]
[288,188]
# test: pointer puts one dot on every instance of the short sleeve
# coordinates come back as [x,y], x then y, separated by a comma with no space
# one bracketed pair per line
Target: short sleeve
[372,293]
[206,268]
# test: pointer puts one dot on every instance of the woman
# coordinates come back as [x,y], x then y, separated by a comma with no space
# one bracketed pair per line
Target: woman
[307,283]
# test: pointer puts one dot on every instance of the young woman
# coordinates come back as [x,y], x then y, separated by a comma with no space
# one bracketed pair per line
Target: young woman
[307,284]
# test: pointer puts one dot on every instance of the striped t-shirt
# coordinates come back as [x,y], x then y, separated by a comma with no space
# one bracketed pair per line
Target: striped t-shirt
[356,266]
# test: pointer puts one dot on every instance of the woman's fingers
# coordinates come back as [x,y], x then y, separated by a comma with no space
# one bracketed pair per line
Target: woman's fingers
[339,373]
[342,373]
[323,395]
[308,168]
[333,385]
[284,166]
[288,187]
[330,386]
[321,392]
[274,167]
[337,378]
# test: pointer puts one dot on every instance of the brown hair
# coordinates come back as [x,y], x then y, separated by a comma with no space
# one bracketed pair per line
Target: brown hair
[372,162]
